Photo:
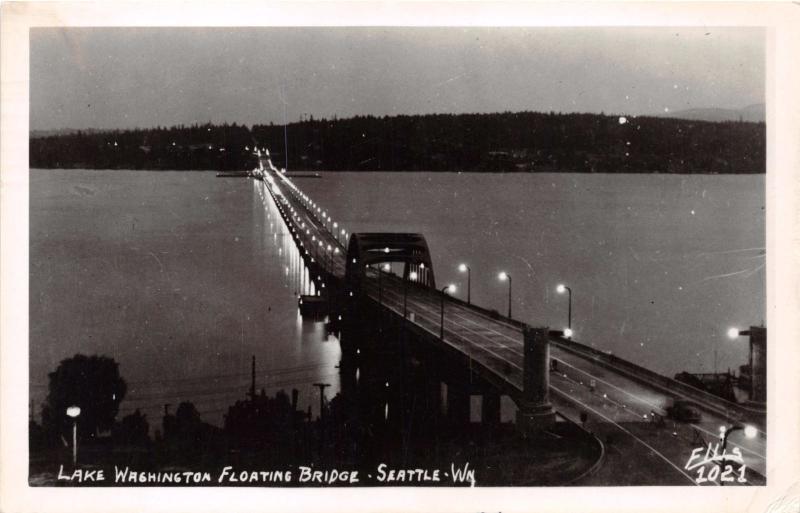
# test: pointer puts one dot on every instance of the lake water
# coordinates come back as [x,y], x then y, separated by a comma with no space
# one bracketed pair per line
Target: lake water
[182,276]
[176,275]
[660,265]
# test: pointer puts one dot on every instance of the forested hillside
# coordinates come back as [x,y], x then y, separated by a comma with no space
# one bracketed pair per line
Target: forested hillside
[503,142]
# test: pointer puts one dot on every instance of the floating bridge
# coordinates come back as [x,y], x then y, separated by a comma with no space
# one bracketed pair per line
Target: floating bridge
[379,288]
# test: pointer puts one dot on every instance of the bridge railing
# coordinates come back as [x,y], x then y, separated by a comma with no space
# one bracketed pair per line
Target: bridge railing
[506,376]
[669,386]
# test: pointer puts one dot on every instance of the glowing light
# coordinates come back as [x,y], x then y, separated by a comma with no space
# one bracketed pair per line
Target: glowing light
[733,333]
[568,333]
[462,268]
[451,288]
[561,288]
[412,275]
[503,276]
[750,431]
[73,411]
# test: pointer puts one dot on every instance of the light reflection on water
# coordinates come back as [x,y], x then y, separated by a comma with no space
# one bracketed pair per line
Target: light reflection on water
[180,277]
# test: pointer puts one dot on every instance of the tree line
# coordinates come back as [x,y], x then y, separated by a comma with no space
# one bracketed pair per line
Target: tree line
[195,147]
[500,142]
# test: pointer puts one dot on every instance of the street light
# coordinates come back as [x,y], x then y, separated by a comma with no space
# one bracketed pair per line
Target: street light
[74,411]
[380,285]
[465,268]
[561,289]
[756,360]
[734,333]
[503,277]
[445,290]
[413,277]
[725,432]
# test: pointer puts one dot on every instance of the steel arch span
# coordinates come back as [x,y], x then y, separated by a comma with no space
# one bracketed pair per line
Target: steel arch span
[410,249]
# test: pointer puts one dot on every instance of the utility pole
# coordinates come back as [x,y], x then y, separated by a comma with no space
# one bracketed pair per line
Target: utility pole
[285,133]
[253,379]
[321,387]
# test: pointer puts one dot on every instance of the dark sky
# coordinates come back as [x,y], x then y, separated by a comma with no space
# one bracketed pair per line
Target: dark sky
[125,77]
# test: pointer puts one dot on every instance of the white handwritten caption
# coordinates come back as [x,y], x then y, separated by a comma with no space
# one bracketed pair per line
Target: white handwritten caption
[382,474]
[711,465]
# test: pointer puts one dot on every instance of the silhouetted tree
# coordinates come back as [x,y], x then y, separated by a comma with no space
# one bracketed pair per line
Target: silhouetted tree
[497,142]
[187,438]
[133,429]
[91,382]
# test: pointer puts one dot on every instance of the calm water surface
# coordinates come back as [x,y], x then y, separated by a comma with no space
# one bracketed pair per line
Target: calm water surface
[181,277]
[660,265]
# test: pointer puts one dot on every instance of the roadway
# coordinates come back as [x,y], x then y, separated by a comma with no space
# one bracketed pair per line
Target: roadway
[617,408]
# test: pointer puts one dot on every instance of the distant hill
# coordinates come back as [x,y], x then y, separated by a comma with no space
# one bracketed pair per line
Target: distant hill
[755,113]
[218,147]
[500,142]
[518,142]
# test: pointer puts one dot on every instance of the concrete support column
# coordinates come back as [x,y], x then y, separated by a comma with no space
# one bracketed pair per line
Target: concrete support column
[490,410]
[458,403]
[428,406]
[535,411]
[758,362]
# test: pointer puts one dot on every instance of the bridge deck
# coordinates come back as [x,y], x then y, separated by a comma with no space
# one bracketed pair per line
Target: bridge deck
[580,385]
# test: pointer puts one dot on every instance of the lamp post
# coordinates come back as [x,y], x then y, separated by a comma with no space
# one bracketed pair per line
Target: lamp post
[450,288]
[381,268]
[73,412]
[749,432]
[756,360]
[465,268]
[503,277]
[561,289]
[413,277]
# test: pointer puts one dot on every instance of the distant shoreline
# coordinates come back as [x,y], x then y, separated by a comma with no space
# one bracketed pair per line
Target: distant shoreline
[519,142]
